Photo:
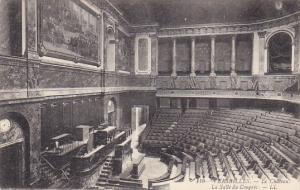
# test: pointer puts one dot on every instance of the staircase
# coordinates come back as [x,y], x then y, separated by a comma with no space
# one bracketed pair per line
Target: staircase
[104,174]
[52,177]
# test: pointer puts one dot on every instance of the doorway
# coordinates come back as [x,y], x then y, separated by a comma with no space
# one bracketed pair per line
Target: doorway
[13,155]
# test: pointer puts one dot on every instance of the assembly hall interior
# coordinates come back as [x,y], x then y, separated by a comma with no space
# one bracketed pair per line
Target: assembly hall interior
[149,94]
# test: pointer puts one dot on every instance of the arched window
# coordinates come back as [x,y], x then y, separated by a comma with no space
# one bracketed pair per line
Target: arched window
[280,53]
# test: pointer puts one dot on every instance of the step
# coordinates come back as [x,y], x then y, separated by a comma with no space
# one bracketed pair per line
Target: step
[105,172]
[104,175]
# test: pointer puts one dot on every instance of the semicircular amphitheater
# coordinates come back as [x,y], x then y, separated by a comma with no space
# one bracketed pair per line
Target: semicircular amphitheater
[150,94]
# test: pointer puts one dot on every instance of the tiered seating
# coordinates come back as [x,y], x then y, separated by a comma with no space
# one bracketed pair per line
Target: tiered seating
[199,168]
[160,131]
[260,172]
[290,144]
[248,157]
[212,168]
[262,156]
[239,164]
[289,152]
[226,166]
[230,144]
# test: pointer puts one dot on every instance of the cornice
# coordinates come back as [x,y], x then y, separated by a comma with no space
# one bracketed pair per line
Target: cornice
[218,28]
[197,29]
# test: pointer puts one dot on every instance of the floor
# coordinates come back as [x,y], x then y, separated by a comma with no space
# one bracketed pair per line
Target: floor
[154,168]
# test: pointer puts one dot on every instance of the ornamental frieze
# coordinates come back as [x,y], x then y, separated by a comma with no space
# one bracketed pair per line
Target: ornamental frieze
[290,20]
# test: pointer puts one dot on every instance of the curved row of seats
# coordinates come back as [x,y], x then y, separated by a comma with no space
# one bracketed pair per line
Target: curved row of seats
[239,134]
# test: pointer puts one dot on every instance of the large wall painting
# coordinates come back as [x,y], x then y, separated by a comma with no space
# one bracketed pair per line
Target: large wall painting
[11,27]
[69,30]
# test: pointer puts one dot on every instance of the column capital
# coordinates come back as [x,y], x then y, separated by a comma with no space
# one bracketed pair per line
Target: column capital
[213,37]
[262,34]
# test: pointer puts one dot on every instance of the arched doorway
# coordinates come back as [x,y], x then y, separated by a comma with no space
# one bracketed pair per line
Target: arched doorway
[280,53]
[14,150]
[111,112]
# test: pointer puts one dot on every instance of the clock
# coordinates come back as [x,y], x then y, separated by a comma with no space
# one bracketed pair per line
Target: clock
[5,125]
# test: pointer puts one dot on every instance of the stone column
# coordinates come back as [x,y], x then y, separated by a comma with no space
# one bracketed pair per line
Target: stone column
[297,50]
[262,48]
[255,54]
[193,41]
[233,54]
[212,57]
[174,73]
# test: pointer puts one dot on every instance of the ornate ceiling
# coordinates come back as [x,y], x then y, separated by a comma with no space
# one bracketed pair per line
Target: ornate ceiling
[186,12]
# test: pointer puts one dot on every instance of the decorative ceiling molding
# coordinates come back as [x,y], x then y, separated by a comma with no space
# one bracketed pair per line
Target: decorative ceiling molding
[220,29]
[197,29]
[213,29]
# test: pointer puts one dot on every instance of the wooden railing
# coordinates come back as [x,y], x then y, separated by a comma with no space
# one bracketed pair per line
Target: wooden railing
[53,171]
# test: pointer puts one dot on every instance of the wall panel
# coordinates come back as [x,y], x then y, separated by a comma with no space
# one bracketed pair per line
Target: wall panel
[165,56]
[222,55]
[183,56]
[202,56]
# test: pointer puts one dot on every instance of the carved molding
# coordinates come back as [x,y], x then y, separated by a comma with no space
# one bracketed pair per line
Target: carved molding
[217,29]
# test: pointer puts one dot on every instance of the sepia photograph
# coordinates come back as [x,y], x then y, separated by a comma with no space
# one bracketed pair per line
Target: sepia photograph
[150,94]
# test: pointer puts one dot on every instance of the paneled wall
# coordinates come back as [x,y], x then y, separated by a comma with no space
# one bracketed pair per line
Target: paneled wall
[164,56]
[202,55]
[63,115]
[222,55]
[183,56]
[123,52]
[244,47]
[50,76]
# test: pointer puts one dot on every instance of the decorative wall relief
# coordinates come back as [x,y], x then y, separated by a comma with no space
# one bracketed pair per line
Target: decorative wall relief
[212,82]
[235,81]
[33,77]
[123,52]
[69,30]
